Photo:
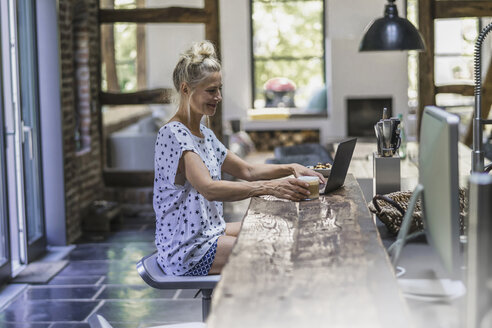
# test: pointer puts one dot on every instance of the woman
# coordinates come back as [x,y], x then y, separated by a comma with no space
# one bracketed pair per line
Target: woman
[192,237]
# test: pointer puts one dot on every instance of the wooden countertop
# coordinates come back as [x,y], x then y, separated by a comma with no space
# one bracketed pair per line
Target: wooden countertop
[316,263]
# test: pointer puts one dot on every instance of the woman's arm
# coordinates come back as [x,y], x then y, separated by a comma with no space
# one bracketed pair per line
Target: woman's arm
[198,175]
[241,169]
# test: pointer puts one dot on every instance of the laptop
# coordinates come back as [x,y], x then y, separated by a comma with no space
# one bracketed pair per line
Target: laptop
[340,165]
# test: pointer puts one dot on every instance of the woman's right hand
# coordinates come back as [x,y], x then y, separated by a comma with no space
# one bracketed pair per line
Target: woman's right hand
[289,188]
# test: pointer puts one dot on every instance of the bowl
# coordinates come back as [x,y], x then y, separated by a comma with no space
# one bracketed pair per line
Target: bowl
[325,172]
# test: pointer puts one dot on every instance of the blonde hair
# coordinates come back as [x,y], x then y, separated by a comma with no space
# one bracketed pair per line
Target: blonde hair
[195,65]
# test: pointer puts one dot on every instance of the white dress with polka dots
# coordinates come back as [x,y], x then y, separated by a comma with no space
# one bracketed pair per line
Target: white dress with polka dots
[187,224]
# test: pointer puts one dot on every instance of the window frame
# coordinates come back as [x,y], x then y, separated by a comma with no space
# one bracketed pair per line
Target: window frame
[252,66]
[208,15]
[455,55]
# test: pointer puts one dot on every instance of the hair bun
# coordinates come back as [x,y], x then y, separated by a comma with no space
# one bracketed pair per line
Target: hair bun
[195,64]
[202,50]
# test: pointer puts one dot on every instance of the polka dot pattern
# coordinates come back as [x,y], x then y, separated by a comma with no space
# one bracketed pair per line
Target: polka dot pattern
[187,224]
[203,266]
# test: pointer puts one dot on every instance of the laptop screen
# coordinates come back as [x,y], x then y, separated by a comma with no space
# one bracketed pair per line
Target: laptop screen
[341,165]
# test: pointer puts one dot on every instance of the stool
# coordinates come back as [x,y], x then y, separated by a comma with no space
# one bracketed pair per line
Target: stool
[152,274]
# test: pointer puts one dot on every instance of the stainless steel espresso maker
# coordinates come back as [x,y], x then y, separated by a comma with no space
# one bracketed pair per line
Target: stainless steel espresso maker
[388,135]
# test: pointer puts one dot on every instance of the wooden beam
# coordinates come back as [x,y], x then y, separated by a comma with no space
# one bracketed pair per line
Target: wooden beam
[154,15]
[212,33]
[156,96]
[108,53]
[141,52]
[212,29]
[455,9]
[461,89]
[108,58]
[128,179]
[427,91]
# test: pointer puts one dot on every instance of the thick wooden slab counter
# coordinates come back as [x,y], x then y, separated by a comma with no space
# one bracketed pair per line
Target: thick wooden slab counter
[309,264]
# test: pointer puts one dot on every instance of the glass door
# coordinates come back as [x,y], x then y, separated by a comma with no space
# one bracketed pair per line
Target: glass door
[5,263]
[29,100]
[21,114]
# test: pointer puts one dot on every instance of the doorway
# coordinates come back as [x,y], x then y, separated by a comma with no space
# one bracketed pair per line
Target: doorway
[23,222]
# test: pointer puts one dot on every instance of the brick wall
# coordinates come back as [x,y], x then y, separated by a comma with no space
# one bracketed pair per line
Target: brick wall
[79,44]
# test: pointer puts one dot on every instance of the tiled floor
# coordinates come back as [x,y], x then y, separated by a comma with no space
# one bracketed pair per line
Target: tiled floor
[101,278]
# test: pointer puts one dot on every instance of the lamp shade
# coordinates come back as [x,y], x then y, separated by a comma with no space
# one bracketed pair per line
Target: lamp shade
[391,33]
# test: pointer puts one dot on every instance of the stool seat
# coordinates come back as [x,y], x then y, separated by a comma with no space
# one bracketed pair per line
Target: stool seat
[153,275]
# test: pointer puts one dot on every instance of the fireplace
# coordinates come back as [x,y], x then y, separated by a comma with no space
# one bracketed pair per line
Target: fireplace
[363,113]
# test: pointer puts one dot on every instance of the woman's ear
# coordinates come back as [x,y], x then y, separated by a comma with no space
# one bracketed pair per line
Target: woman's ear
[184,88]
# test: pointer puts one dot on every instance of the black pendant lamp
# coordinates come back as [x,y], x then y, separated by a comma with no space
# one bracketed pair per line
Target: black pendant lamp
[391,33]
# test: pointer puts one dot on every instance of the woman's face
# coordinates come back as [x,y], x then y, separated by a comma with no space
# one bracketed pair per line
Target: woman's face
[207,95]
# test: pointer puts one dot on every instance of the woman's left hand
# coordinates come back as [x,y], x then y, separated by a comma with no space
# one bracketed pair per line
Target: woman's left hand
[300,170]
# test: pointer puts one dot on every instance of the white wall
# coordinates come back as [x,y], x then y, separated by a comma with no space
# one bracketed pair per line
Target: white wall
[165,42]
[51,122]
[350,73]
[236,58]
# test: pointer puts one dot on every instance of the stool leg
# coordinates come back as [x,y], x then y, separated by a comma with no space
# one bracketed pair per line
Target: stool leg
[206,302]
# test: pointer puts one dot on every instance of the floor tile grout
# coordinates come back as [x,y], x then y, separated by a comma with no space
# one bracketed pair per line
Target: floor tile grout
[99,282]
[100,290]
[101,277]
[94,311]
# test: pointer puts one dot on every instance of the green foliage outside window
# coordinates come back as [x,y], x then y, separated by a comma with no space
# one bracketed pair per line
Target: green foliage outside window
[125,4]
[125,45]
[288,41]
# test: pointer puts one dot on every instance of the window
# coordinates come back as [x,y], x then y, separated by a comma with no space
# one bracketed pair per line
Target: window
[454,46]
[453,63]
[454,42]
[288,54]
[453,56]
[120,53]
[136,37]
[412,14]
